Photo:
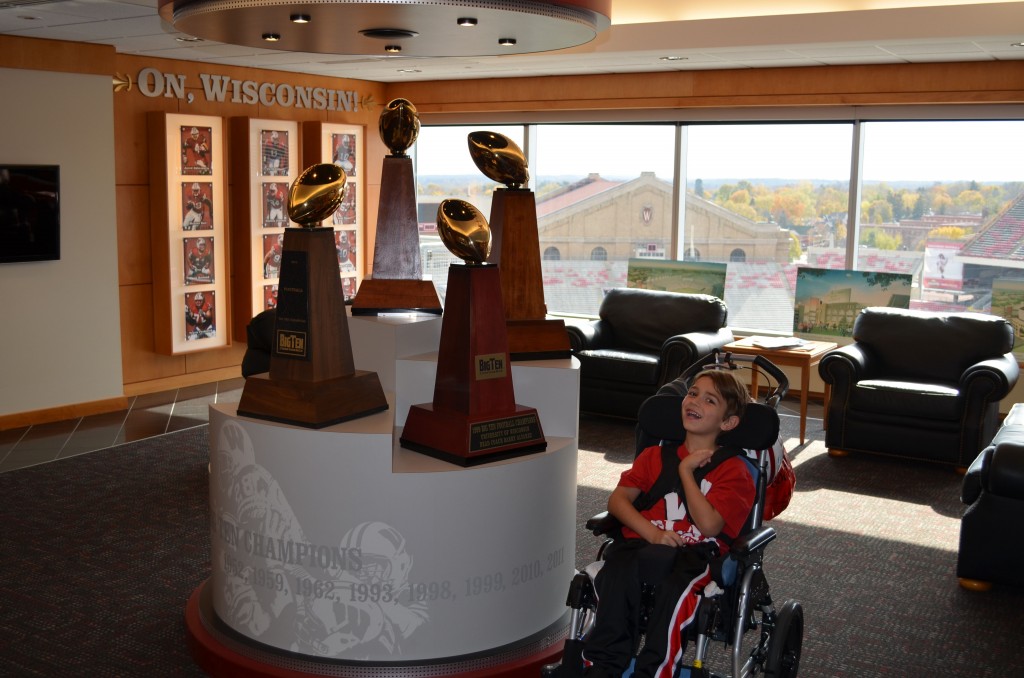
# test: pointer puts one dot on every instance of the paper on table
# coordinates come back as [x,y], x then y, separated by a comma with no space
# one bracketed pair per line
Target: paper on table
[776,342]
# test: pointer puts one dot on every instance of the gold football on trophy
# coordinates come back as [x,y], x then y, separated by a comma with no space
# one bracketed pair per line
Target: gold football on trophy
[464,231]
[399,126]
[316,194]
[499,158]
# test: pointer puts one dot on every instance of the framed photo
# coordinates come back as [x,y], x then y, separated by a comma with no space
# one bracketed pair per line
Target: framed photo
[199,263]
[197,206]
[275,204]
[343,146]
[200,316]
[688,277]
[265,158]
[269,297]
[345,215]
[344,152]
[196,149]
[273,248]
[345,242]
[274,152]
[188,233]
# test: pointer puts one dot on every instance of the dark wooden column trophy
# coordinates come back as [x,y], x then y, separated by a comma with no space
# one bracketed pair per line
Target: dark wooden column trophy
[312,380]
[396,281]
[474,417]
[516,249]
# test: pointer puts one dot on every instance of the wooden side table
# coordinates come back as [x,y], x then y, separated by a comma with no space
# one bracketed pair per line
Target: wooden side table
[805,356]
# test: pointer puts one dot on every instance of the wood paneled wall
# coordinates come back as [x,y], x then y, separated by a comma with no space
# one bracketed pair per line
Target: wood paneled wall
[146,370]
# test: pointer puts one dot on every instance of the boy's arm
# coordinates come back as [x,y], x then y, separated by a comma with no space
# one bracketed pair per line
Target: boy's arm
[620,505]
[702,514]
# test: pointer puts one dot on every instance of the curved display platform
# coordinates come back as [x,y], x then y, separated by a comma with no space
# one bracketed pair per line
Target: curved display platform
[337,544]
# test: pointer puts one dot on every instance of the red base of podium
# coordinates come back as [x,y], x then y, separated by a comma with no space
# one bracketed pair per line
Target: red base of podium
[468,440]
[221,657]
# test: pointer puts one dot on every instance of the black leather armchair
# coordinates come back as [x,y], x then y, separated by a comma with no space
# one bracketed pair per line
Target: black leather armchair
[259,343]
[641,340]
[993,489]
[919,385]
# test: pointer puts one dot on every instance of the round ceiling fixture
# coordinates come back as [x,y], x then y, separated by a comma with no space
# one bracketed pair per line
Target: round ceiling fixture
[357,26]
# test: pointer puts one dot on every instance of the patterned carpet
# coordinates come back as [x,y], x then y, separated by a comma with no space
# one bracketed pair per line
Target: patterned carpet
[101,551]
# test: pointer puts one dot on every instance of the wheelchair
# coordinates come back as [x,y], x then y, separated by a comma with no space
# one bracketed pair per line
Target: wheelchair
[739,598]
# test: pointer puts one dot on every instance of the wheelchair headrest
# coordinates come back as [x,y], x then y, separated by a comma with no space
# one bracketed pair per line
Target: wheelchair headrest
[660,417]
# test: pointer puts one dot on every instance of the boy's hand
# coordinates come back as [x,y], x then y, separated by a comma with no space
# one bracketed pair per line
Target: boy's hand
[666,537]
[695,460]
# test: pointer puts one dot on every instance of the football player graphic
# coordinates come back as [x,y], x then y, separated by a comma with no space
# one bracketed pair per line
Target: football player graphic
[195,152]
[197,206]
[199,317]
[199,263]
[272,259]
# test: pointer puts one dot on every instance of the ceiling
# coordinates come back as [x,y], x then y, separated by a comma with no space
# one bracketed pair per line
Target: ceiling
[643,37]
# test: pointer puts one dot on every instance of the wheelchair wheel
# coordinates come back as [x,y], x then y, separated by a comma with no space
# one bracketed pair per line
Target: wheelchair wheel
[787,639]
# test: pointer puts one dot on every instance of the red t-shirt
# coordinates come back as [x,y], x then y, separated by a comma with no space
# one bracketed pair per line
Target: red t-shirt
[729,488]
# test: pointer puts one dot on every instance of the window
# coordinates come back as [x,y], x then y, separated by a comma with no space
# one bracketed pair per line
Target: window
[940,200]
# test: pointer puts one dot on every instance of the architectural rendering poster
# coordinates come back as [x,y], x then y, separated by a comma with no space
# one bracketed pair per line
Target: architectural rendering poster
[689,277]
[943,269]
[828,300]
[1008,302]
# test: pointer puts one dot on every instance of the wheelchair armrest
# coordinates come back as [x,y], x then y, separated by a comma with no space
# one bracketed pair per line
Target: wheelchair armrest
[603,523]
[752,542]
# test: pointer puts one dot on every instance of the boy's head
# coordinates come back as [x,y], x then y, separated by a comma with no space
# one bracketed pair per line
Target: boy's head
[717,394]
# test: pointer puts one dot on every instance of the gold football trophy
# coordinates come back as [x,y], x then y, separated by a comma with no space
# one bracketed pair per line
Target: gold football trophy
[516,249]
[474,417]
[312,380]
[396,281]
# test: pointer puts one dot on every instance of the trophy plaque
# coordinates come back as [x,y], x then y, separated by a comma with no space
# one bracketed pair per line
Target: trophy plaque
[312,380]
[516,249]
[474,417]
[396,281]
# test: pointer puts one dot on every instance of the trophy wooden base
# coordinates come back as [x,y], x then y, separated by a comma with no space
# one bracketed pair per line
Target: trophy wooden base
[312,404]
[545,339]
[466,440]
[382,295]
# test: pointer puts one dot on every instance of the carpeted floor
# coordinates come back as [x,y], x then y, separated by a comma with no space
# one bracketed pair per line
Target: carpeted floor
[100,553]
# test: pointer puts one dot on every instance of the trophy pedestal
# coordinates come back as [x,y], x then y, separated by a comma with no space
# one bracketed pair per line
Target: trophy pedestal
[473,418]
[396,283]
[312,380]
[312,404]
[515,247]
[382,295]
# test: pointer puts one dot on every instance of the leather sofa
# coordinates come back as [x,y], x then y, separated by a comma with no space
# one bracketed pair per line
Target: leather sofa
[641,340]
[993,490]
[919,385]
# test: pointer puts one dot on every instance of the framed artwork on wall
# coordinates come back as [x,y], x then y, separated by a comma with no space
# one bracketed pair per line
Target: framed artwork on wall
[342,145]
[189,235]
[264,164]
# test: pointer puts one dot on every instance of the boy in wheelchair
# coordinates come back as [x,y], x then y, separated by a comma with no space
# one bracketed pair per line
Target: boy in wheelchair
[671,534]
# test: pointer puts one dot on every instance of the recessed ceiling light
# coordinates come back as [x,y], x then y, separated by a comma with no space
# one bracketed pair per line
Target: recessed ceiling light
[271,37]
[388,33]
[26,17]
[409,70]
[673,58]
[507,42]
[1017,44]
[188,38]
[300,18]
[466,21]
[393,49]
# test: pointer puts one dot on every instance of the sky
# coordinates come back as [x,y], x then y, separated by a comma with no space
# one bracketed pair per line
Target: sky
[985,151]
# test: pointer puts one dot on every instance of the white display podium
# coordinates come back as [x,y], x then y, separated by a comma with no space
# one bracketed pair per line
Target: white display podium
[379,341]
[337,545]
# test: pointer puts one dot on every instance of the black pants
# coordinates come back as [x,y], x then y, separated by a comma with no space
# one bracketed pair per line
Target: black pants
[678,574]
